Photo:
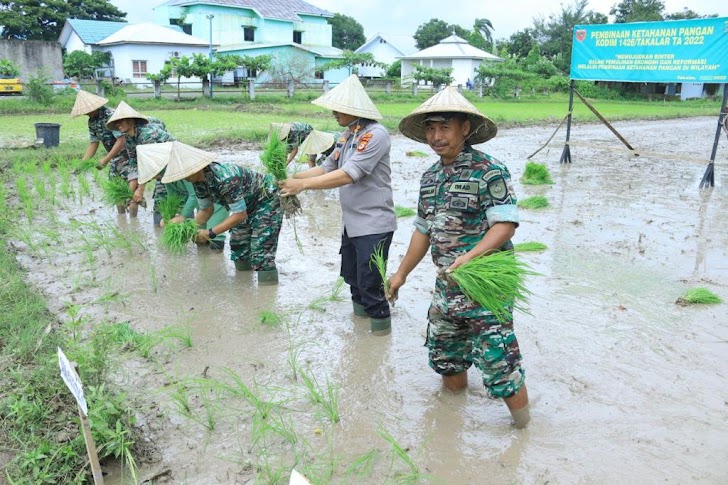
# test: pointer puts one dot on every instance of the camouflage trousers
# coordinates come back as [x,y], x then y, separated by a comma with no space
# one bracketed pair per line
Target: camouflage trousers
[119,167]
[256,239]
[456,342]
[160,192]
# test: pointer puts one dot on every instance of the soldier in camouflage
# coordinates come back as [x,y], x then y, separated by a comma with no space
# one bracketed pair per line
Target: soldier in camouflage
[140,130]
[255,212]
[293,135]
[466,208]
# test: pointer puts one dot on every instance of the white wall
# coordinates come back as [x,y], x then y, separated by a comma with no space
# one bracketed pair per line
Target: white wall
[462,70]
[155,55]
[382,52]
[76,44]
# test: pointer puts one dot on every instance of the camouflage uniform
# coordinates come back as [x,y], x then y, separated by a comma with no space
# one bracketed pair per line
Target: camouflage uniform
[98,132]
[458,203]
[146,133]
[242,189]
[299,131]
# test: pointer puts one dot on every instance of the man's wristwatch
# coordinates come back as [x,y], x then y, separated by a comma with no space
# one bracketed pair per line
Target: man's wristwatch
[211,234]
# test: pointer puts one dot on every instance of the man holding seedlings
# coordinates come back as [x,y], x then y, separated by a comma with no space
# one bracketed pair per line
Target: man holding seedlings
[466,208]
[140,130]
[152,161]
[114,141]
[359,166]
[255,210]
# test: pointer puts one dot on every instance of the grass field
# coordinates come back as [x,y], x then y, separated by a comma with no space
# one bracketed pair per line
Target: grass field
[229,119]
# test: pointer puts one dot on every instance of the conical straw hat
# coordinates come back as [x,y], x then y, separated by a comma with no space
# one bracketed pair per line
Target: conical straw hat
[280,129]
[316,142]
[151,159]
[448,100]
[349,98]
[124,112]
[87,102]
[183,160]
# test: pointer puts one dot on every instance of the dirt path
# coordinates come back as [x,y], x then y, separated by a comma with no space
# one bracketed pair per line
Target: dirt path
[625,384]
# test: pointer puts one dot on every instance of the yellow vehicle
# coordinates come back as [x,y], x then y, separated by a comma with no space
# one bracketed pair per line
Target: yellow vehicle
[10,85]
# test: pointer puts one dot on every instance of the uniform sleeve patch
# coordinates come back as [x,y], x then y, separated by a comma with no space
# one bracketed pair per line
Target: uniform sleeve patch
[498,189]
[363,142]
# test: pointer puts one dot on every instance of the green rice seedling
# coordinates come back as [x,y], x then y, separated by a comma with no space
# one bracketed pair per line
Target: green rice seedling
[40,187]
[153,274]
[327,398]
[26,198]
[170,206]
[181,398]
[494,281]
[529,246]
[47,167]
[84,187]
[400,211]
[378,260]
[274,158]
[334,294]
[535,202]
[398,452]
[536,174]
[52,188]
[116,191]
[337,289]
[178,333]
[417,153]
[100,176]
[178,235]
[83,166]
[698,296]
[364,465]
[269,318]
[66,188]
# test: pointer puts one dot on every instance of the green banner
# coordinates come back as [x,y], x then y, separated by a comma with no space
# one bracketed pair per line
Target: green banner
[671,51]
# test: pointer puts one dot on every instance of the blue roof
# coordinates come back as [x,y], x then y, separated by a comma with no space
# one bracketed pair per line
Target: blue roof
[93,31]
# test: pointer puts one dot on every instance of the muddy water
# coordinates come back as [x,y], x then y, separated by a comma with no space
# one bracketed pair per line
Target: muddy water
[625,385]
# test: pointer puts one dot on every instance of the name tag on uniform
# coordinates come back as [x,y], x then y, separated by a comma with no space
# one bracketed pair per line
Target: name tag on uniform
[464,187]
[427,192]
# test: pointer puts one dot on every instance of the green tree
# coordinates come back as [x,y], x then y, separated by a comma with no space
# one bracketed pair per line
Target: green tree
[434,75]
[431,33]
[483,29]
[8,68]
[686,13]
[520,43]
[43,20]
[351,59]
[346,32]
[82,65]
[637,11]
[394,70]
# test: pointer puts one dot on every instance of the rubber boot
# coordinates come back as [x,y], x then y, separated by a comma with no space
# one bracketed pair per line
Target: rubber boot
[521,417]
[133,209]
[243,265]
[268,278]
[359,309]
[381,326]
[157,219]
[121,209]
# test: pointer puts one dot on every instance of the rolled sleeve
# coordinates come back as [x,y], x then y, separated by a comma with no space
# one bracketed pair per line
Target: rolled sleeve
[421,225]
[502,213]
[204,203]
[237,207]
[362,162]
[329,164]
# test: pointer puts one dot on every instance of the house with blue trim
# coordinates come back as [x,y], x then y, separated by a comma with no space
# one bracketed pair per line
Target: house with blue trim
[294,32]
[85,35]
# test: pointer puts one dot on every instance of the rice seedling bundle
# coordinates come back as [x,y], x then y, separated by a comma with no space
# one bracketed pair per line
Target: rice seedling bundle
[83,166]
[536,202]
[536,174]
[170,206]
[697,296]
[178,235]
[529,246]
[495,281]
[416,153]
[400,211]
[274,158]
[116,191]
[380,262]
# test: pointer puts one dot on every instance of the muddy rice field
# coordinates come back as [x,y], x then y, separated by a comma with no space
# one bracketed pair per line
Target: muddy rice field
[626,386]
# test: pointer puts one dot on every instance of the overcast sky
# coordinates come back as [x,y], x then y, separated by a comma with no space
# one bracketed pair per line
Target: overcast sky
[402,17]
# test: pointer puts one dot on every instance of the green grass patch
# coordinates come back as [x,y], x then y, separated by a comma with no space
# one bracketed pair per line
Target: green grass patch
[529,247]
[496,282]
[400,211]
[536,174]
[698,296]
[176,237]
[535,202]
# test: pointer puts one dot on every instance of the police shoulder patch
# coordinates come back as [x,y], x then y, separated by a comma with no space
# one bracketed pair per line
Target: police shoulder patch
[498,189]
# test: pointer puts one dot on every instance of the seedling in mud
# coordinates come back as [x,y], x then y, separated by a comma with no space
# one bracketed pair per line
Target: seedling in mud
[536,174]
[334,295]
[494,281]
[116,191]
[698,296]
[400,211]
[529,247]
[84,186]
[417,153]
[536,202]
[327,398]
[178,235]
[170,206]
[269,318]
[364,465]
[379,261]
[401,454]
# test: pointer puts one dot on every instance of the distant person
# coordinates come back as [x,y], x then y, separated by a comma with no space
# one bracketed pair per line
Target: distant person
[360,167]
[466,208]
[113,141]
[469,84]
[293,134]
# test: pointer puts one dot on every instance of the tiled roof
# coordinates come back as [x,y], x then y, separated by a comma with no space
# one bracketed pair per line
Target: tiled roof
[271,9]
[92,31]
[148,33]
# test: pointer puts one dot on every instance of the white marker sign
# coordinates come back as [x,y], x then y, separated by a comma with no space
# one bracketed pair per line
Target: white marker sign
[72,381]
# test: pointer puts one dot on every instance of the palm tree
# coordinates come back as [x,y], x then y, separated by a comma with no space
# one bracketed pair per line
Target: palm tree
[485,28]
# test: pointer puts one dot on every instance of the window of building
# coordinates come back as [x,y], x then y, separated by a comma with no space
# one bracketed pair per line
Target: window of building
[319,74]
[249,34]
[186,28]
[139,68]
[297,36]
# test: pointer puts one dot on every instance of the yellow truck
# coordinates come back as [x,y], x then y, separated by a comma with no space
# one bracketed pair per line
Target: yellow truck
[10,85]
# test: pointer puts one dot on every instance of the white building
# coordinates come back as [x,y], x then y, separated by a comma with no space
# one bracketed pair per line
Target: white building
[84,35]
[387,49]
[452,52]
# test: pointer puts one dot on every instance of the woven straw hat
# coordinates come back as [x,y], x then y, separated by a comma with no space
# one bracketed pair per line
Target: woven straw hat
[349,98]
[281,129]
[181,160]
[448,100]
[316,142]
[87,102]
[124,112]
